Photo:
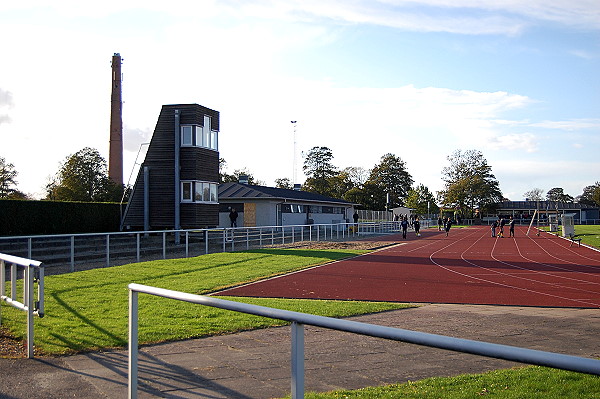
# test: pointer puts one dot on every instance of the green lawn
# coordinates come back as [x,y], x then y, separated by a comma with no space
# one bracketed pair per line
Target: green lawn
[88,310]
[589,234]
[525,382]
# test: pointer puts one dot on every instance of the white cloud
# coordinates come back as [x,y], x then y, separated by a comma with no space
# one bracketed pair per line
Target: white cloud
[526,142]
[569,125]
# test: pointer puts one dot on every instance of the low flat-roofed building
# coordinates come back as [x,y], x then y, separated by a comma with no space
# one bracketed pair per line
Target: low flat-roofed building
[269,206]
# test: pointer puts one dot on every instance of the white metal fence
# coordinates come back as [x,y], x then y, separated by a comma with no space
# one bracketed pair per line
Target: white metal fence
[29,305]
[298,320]
[71,252]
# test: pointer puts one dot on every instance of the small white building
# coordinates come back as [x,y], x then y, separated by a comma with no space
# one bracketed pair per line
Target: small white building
[269,206]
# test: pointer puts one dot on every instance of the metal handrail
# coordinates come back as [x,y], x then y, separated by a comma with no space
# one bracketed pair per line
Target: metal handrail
[512,353]
[28,305]
[214,240]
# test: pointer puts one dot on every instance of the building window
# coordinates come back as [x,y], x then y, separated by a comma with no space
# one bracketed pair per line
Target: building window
[186,191]
[199,191]
[186,135]
[200,136]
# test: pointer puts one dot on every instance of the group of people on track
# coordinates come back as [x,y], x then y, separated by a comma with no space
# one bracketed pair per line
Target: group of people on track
[444,224]
[416,224]
[500,223]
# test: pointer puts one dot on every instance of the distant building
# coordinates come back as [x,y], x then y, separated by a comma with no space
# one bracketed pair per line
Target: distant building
[177,184]
[268,206]
[525,210]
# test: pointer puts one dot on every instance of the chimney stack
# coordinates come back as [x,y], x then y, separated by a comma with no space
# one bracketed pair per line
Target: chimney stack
[115,153]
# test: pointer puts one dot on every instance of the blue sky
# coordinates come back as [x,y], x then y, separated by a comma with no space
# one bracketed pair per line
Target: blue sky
[518,81]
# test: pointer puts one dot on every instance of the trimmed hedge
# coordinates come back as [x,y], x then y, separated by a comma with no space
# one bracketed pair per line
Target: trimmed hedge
[19,217]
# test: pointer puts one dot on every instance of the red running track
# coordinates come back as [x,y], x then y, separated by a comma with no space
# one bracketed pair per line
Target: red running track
[467,267]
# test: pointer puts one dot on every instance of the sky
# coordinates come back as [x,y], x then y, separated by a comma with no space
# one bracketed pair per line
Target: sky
[517,80]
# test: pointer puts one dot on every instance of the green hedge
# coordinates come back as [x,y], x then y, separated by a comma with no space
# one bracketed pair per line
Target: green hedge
[53,217]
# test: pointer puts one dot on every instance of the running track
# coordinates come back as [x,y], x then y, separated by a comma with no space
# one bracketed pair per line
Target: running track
[467,267]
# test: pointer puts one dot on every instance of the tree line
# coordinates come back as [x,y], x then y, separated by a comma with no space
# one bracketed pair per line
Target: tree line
[470,187]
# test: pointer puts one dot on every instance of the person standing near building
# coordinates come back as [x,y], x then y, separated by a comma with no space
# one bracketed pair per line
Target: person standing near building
[440,223]
[494,227]
[511,230]
[417,226]
[233,215]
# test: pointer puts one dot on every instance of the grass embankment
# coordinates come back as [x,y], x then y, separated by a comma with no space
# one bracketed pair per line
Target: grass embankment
[589,234]
[88,310]
[527,382]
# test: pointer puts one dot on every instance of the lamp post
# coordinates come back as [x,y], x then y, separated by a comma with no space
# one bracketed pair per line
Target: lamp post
[294,165]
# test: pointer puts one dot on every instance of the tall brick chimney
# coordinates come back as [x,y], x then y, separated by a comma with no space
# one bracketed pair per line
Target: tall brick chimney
[115,153]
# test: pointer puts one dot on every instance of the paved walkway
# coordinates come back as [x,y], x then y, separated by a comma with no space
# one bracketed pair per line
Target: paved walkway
[255,364]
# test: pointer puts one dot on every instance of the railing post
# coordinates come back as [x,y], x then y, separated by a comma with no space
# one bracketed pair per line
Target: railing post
[107,250]
[72,254]
[28,301]
[2,284]
[133,344]
[13,282]
[297,360]
[205,241]
[164,236]
[137,247]
[187,244]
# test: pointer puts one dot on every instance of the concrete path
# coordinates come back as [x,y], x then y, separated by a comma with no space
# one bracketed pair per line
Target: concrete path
[255,364]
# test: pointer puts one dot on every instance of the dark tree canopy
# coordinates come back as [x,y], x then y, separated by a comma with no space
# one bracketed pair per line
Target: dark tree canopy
[283,182]
[8,182]
[84,177]
[319,169]
[558,194]
[390,178]
[421,200]
[535,194]
[590,195]
[469,183]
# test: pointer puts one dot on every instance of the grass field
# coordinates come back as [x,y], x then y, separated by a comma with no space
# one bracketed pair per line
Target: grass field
[88,310]
[526,382]
[589,234]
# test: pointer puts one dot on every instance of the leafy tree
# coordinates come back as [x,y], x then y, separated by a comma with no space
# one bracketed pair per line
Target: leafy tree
[421,200]
[469,184]
[84,177]
[235,177]
[355,175]
[8,182]
[369,196]
[557,194]
[284,183]
[319,170]
[224,177]
[390,177]
[590,195]
[535,194]
[596,196]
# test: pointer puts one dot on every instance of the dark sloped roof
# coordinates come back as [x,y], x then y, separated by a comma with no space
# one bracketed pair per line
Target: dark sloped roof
[240,191]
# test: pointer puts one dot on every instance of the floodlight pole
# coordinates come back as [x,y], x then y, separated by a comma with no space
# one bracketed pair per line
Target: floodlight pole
[294,165]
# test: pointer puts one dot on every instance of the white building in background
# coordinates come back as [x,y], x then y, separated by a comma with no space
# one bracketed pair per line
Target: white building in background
[269,206]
